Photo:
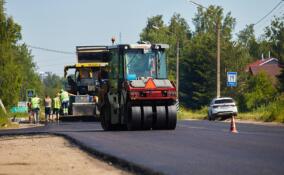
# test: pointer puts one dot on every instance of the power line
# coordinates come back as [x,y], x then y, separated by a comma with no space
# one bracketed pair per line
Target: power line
[277,5]
[58,64]
[51,50]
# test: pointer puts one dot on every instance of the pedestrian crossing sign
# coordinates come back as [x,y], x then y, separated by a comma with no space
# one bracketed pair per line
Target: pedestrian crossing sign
[30,93]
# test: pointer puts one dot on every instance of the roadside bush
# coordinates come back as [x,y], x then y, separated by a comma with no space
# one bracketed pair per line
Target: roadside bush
[260,91]
[273,112]
[2,113]
[276,111]
[3,119]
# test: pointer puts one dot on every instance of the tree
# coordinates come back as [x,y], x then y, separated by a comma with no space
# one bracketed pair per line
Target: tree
[201,57]
[17,71]
[275,36]
[205,21]
[9,82]
[247,40]
[198,85]
[30,77]
[152,34]
[259,91]
[281,79]
[52,84]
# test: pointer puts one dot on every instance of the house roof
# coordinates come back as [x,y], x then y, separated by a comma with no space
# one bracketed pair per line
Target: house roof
[271,69]
[270,66]
[261,62]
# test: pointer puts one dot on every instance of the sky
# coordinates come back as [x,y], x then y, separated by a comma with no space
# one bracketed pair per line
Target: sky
[64,24]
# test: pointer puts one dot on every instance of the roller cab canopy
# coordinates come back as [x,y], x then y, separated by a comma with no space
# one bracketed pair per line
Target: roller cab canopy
[84,65]
[87,54]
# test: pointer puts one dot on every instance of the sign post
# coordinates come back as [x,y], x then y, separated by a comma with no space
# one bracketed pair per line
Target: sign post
[232,79]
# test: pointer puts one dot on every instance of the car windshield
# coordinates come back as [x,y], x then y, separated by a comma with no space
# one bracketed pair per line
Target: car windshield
[224,101]
[150,64]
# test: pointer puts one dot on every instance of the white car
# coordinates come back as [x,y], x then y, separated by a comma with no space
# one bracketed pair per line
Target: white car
[223,107]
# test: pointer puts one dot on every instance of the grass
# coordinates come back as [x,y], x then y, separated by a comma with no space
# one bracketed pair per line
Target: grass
[19,115]
[273,112]
[185,113]
[5,121]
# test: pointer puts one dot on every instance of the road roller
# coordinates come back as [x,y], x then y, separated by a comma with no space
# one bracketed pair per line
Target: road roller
[138,94]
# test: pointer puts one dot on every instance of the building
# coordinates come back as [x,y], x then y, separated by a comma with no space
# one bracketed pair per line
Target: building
[270,66]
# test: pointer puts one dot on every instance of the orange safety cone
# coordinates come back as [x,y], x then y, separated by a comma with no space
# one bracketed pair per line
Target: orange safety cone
[233,125]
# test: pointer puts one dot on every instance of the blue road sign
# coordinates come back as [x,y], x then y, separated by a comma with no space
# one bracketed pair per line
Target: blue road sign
[232,79]
[30,93]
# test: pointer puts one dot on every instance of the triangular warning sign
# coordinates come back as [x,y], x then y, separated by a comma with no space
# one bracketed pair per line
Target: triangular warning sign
[150,84]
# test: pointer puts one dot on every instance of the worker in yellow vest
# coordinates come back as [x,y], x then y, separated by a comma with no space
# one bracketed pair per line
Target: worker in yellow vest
[36,108]
[64,96]
[56,106]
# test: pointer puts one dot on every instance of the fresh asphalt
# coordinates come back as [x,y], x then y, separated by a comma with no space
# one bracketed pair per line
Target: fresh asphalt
[195,147]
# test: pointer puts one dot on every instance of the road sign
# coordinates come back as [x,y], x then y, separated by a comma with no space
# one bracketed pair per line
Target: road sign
[30,93]
[232,79]
[22,104]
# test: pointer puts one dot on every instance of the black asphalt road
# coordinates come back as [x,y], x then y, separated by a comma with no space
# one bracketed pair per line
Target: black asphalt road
[195,147]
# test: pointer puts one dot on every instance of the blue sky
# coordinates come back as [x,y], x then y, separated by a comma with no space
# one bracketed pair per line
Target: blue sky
[64,24]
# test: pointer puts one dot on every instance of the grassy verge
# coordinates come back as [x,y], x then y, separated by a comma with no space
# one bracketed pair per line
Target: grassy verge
[5,122]
[273,112]
[185,113]
[20,115]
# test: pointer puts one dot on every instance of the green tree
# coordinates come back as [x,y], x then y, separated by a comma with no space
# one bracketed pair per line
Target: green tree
[155,30]
[10,78]
[281,79]
[274,34]
[52,84]
[199,72]
[246,38]
[260,91]
[30,78]
[201,58]
[17,71]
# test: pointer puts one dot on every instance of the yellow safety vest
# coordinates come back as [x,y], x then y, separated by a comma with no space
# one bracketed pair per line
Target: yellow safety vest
[35,102]
[64,96]
[56,102]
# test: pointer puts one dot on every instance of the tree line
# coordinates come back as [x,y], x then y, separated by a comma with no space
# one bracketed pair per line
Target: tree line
[198,56]
[17,68]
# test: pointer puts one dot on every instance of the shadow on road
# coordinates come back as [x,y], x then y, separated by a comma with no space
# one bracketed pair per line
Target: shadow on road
[79,119]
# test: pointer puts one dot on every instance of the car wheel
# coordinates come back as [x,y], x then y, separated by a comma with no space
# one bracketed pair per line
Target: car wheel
[209,116]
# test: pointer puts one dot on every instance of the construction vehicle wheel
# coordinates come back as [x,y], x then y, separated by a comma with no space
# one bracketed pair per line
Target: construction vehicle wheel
[147,117]
[106,118]
[171,117]
[160,119]
[134,118]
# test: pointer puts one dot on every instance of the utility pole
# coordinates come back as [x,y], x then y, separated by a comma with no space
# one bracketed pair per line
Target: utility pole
[177,69]
[218,59]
